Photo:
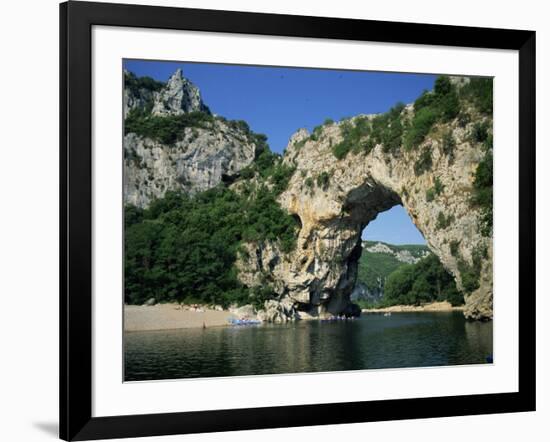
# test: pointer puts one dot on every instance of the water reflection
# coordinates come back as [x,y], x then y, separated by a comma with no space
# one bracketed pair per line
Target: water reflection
[374,341]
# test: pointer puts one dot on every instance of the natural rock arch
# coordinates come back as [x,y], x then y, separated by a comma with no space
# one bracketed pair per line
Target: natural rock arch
[319,275]
[333,194]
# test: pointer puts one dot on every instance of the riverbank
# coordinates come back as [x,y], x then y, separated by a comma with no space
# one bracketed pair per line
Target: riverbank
[443,306]
[176,316]
[172,316]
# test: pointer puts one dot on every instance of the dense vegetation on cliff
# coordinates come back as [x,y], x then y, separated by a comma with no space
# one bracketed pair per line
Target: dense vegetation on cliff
[402,129]
[183,248]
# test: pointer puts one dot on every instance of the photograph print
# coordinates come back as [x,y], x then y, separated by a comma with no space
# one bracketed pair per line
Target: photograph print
[283,220]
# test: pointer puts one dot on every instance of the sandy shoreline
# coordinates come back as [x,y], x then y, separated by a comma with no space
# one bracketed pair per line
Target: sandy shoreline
[433,307]
[171,316]
[174,316]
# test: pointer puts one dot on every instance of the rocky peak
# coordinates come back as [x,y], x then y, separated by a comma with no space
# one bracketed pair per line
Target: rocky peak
[205,151]
[399,253]
[179,96]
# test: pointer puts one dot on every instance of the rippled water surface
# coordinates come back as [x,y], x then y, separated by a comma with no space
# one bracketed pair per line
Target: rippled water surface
[373,341]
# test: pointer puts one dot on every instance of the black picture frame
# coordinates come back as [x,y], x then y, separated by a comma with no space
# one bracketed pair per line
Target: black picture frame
[76,21]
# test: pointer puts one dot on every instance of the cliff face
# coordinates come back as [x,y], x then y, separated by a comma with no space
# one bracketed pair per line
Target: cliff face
[336,198]
[176,97]
[179,96]
[200,160]
[203,155]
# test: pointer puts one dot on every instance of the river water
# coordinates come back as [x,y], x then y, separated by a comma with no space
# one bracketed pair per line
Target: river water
[372,341]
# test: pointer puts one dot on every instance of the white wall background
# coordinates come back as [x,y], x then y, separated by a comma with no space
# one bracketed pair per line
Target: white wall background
[29,217]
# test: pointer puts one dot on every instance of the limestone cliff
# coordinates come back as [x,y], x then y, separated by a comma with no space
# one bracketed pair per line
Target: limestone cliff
[200,160]
[335,199]
[175,97]
[205,149]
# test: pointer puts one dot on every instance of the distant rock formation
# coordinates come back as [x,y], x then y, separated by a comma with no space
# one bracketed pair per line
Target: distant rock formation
[203,156]
[402,254]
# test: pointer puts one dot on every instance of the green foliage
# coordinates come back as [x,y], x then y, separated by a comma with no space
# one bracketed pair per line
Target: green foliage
[423,282]
[239,125]
[323,180]
[395,112]
[391,130]
[449,106]
[479,91]
[375,267]
[183,248]
[442,86]
[135,84]
[443,221]
[387,130]
[480,132]
[260,294]
[315,135]
[427,99]
[352,135]
[421,124]
[434,191]
[482,196]
[341,149]
[430,195]
[440,105]
[247,173]
[165,129]
[469,274]
[279,175]
[483,192]
[309,182]
[328,121]
[268,165]
[392,137]
[368,145]
[424,161]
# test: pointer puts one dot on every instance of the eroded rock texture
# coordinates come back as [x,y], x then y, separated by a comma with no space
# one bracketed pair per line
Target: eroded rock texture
[201,158]
[320,274]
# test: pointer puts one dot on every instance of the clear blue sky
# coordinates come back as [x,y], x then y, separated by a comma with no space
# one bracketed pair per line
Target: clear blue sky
[278,101]
[395,227]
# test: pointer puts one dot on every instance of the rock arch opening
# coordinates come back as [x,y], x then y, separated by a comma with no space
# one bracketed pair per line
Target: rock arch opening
[390,243]
[336,195]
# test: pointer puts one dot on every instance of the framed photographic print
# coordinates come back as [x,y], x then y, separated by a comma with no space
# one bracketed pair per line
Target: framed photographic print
[272,221]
